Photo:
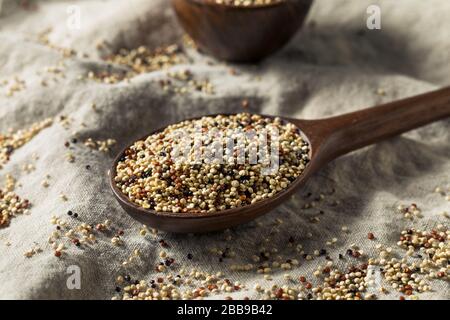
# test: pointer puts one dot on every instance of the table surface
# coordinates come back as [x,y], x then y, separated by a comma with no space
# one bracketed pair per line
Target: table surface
[334,65]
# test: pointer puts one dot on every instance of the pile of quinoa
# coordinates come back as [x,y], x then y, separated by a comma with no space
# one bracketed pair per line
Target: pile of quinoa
[11,205]
[148,175]
[12,140]
[138,60]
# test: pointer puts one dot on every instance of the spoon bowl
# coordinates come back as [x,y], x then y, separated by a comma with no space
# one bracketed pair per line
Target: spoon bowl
[204,222]
[328,138]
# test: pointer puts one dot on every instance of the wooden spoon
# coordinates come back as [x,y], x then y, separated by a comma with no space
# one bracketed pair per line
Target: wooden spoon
[328,138]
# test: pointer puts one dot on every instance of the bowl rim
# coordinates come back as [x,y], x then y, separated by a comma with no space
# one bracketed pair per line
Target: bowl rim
[123,199]
[212,3]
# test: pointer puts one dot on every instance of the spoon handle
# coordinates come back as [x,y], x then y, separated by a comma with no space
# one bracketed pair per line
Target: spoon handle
[351,131]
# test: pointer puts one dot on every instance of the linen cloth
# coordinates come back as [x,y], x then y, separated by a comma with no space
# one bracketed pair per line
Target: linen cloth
[333,65]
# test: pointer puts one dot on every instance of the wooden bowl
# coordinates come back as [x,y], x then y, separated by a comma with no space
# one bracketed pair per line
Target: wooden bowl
[241,34]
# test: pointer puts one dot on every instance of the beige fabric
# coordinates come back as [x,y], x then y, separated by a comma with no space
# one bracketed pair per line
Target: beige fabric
[328,69]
